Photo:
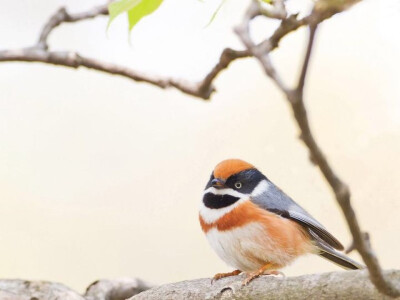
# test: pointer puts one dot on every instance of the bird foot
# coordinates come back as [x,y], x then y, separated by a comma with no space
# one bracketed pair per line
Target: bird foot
[252,275]
[223,275]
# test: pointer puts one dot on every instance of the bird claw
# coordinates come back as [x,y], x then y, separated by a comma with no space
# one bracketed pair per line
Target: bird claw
[218,276]
[255,275]
[248,279]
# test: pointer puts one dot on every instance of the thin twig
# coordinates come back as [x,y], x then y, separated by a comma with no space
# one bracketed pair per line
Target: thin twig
[352,246]
[296,100]
[62,16]
[202,89]
[243,31]
[306,63]
[74,60]
[275,11]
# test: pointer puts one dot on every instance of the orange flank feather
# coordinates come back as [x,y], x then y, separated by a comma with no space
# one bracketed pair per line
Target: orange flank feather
[287,234]
[229,167]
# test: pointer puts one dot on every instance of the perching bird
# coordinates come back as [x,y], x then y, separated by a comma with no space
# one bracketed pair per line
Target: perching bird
[256,228]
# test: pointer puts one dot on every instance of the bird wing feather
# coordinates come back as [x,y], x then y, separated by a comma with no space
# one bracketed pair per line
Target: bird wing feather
[276,201]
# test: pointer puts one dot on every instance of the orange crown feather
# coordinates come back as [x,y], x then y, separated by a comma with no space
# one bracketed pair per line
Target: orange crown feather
[229,167]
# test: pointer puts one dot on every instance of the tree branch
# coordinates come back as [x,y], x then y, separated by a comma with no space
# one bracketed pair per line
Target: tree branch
[70,59]
[40,53]
[336,285]
[323,10]
[116,289]
[243,31]
[202,89]
[62,16]
[304,69]
[277,11]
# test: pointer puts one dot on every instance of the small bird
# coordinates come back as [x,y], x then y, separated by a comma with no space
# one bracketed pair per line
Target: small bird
[256,228]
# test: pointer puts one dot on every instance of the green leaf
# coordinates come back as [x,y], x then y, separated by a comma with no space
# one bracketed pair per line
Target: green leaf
[136,10]
[118,7]
[267,1]
[144,8]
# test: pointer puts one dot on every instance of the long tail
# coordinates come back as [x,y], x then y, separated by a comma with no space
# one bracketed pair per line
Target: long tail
[341,260]
[338,258]
[329,253]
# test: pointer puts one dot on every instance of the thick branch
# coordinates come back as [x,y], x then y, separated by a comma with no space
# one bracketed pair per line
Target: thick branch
[116,289]
[16,289]
[323,10]
[337,285]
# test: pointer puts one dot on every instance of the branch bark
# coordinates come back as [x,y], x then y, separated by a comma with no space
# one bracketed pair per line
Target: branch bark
[116,289]
[353,285]
[14,289]
[335,285]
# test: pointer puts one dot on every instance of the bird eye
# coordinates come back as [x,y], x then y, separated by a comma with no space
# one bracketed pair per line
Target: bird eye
[238,185]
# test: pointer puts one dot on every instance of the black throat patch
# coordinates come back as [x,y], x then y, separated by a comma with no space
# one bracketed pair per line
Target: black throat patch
[211,200]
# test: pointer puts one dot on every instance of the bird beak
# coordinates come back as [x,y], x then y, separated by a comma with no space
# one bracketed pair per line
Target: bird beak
[218,183]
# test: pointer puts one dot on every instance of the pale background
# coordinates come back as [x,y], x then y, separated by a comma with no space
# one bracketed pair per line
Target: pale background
[101,177]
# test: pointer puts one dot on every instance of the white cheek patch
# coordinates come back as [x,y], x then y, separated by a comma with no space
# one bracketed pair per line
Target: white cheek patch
[227,191]
[261,188]
[211,215]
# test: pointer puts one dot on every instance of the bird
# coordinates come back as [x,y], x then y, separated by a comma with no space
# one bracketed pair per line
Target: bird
[256,228]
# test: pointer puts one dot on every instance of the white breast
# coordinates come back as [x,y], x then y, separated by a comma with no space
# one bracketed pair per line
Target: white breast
[247,248]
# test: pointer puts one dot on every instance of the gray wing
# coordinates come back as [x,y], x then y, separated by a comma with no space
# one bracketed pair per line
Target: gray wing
[276,201]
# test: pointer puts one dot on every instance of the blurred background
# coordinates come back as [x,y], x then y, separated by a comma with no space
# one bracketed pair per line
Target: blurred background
[101,177]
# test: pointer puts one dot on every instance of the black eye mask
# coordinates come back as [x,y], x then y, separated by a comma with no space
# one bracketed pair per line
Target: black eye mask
[218,201]
[248,178]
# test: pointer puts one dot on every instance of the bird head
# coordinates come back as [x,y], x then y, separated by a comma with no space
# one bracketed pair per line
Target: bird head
[231,180]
